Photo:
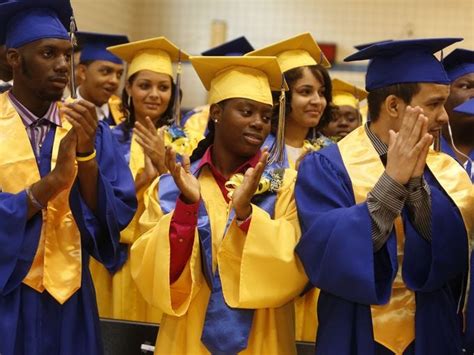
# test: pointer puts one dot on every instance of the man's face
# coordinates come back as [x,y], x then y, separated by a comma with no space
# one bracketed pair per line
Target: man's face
[43,67]
[462,89]
[5,69]
[431,98]
[100,80]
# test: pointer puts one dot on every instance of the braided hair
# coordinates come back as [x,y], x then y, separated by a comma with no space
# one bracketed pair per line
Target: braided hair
[209,139]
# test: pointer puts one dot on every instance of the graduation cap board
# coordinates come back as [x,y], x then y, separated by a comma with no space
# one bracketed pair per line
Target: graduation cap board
[239,77]
[235,47]
[155,54]
[466,108]
[346,94]
[366,45]
[294,52]
[406,61]
[459,63]
[26,21]
[94,46]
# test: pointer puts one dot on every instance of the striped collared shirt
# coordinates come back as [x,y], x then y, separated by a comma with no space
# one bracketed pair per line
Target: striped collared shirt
[387,199]
[36,127]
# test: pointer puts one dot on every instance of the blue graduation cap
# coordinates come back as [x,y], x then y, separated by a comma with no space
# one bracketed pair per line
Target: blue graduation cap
[236,47]
[366,45]
[466,107]
[94,46]
[407,61]
[25,21]
[458,63]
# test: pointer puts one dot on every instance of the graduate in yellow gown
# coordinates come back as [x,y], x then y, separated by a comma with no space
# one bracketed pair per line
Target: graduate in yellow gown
[308,106]
[308,102]
[149,98]
[196,120]
[221,266]
[346,115]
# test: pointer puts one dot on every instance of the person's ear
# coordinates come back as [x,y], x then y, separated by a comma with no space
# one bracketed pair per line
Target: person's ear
[394,106]
[82,72]
[13,58]
[215,113]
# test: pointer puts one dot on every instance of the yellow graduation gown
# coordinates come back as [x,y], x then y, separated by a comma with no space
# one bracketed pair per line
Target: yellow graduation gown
[117,294]
[258,270]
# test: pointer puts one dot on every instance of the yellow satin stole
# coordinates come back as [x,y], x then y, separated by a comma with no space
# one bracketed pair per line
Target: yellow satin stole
[394,323]
[57,263]
[115,104]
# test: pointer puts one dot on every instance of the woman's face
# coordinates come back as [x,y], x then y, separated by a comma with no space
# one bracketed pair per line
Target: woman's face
[151,94]
[242,125]
[307,100]
[343,121]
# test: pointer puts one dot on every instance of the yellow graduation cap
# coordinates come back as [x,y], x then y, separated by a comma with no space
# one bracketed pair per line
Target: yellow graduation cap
[346,94]
[155,54]
[298,51]
[252,78]
[239,77]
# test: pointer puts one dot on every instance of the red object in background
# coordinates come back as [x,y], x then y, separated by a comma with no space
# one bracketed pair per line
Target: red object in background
[329,50]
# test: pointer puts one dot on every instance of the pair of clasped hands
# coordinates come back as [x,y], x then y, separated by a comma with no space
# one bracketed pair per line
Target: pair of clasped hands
[80,139]
[409,147]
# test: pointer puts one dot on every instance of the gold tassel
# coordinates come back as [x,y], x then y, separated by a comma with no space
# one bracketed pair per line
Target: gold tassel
[177,96]
[72,78]
[277,151]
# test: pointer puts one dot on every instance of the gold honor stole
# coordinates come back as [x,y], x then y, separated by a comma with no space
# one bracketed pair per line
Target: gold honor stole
[57,264]
[394,323]
[115,104]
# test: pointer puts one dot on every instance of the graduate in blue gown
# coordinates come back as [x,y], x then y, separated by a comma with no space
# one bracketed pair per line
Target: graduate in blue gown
[459,65]
[64,192]
[467,108]
[100,73]
[386,219]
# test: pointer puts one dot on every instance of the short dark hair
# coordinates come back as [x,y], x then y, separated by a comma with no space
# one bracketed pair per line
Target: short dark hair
[404,91]
[291,76]
[86,62]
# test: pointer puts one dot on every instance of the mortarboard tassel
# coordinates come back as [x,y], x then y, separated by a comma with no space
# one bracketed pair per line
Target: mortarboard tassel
[72,79]
[278,146]
[177,98]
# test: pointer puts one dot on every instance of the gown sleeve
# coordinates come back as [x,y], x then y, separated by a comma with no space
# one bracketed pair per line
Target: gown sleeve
[259,269]
[151,262]
[116,202]
[336,246]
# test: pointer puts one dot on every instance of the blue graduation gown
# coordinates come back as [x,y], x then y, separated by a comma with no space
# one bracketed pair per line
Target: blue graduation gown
[337,252]
[35,323]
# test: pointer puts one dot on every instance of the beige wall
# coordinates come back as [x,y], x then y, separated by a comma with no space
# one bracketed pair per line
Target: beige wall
[188,23]
[106,16]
